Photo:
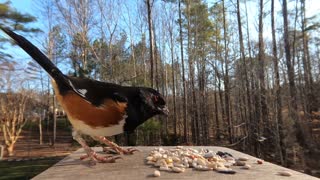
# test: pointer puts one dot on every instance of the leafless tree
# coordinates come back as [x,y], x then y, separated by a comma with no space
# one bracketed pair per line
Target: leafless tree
[13,104]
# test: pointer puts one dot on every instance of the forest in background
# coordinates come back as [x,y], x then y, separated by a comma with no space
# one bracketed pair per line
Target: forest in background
[242,74]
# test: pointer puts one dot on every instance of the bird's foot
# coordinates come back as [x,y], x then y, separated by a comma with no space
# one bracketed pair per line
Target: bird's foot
[94,158]
[113,147]
[119,150]
[90,153]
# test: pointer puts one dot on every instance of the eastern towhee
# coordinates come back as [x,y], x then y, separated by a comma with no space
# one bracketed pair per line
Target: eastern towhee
[96,108]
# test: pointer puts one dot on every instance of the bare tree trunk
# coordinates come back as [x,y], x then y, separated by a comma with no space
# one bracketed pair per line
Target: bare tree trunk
[191,59]
[221,99]
[133,58]
[184,98]
[173,82]
[226,77]
[293,110]
[279,122]
[54,121]
[50,53]
[10,149]
[12,110]
[309,94]
[216,110]
[250,92]
[263,94]
[40,130]
[151,40]
[41,113]
[48,117]
[248,119]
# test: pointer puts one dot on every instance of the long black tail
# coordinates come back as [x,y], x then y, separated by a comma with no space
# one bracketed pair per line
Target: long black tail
[38,56]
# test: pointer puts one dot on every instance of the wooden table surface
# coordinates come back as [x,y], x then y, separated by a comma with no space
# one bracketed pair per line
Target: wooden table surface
[133,167]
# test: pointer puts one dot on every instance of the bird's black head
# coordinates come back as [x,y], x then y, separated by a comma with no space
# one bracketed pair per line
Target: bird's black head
[144,106]
[154,101]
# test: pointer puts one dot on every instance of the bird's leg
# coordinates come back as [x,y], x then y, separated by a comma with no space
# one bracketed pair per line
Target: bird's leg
[94,157]
[114,146]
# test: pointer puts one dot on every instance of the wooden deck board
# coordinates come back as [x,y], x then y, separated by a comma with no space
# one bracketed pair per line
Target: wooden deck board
[133,167]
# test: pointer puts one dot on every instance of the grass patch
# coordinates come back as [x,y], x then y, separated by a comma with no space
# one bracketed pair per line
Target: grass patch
[63,124]
[25,169]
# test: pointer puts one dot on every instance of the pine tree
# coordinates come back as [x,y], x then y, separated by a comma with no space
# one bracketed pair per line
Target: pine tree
[9,17]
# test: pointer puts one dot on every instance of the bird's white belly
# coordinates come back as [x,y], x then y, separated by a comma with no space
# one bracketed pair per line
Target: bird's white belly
[83,128]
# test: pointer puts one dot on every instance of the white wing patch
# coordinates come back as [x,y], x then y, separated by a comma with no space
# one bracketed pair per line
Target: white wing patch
[82,91]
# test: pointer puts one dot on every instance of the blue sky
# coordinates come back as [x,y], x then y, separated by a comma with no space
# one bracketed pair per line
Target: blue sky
[24,6]
[27,6]
[312,6]
[30,6]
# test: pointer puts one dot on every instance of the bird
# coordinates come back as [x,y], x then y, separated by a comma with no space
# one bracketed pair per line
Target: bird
[95,108]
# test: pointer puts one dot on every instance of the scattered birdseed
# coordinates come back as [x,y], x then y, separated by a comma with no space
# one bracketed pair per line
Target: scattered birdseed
[179,158]
[239,163]
[285,173]
[247,166]
[156,173]
[243,158]
[260,161]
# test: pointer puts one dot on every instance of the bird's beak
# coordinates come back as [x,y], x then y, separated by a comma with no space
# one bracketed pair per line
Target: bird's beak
[165,110]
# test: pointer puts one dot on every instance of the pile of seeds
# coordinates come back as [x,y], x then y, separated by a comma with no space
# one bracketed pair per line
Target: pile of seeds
[179,158]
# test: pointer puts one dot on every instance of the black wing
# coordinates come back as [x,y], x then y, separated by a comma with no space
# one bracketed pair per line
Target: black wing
[96,92]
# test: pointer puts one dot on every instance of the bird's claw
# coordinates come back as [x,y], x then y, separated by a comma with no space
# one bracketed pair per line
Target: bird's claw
[94,158]
[119,150]
[129,150]
[109,150]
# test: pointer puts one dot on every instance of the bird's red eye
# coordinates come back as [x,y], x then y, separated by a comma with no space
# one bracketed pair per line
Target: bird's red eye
[155,98]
